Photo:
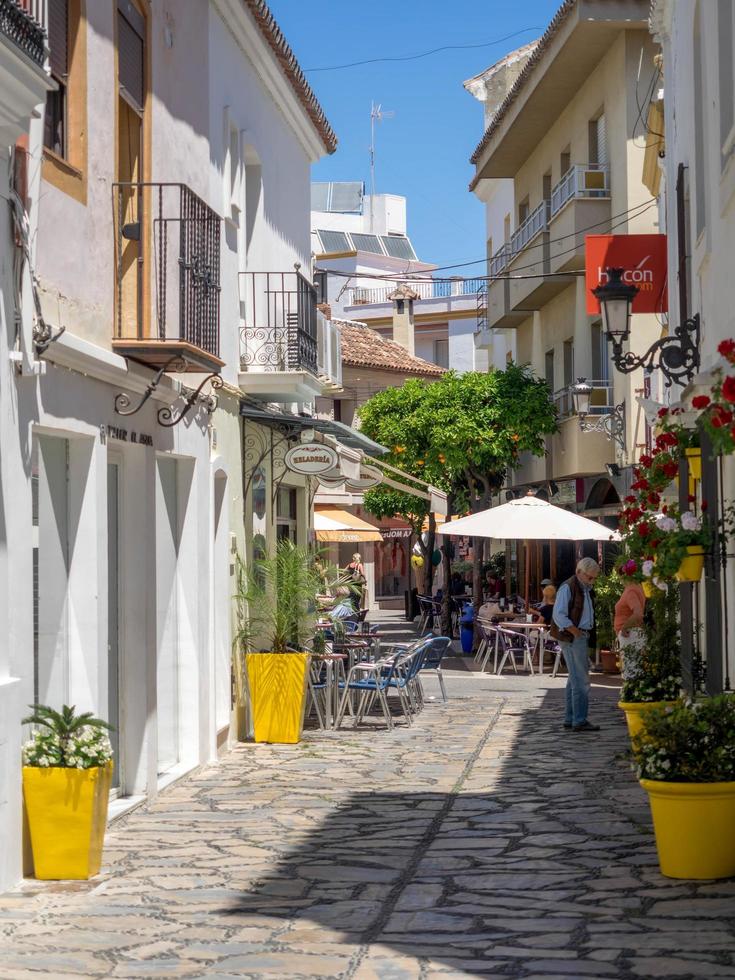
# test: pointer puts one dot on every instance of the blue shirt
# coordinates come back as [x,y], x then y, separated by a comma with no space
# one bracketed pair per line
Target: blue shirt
[561,608]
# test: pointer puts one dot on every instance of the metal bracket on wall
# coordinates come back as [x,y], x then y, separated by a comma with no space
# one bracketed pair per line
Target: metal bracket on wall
[613,425]
[251,462]
[166,416]
[122,401]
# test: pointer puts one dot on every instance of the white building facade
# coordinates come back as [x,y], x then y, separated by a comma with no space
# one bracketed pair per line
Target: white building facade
[171,162]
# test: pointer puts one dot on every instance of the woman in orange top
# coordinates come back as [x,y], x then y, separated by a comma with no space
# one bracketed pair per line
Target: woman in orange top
[627,624]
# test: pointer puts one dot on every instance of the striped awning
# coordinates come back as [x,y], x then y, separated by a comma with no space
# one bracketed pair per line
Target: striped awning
[333,524]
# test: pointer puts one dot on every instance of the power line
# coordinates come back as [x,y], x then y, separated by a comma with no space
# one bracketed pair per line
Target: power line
[633,212]
[424,54]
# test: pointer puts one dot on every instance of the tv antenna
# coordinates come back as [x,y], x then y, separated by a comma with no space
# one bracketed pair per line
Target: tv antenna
[377,114]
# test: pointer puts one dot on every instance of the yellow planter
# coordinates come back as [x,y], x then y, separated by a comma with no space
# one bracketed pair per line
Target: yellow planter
[692,566]
[277,684]
[635,711]
[694,458]
[67,816]
[649,589]
[693,823]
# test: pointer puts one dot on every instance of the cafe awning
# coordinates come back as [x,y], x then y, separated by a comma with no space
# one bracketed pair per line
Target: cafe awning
[333,524]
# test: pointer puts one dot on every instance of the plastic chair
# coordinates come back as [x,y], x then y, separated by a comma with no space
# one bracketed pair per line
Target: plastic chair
[434,653]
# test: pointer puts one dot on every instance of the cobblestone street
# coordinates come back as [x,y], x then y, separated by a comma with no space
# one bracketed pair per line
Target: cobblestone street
[483,841]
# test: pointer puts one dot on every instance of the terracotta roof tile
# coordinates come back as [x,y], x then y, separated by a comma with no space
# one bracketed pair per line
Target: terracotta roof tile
[363,347]
[292,70]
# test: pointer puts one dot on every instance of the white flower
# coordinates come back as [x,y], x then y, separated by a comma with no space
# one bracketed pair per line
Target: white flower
[664,523]
[663,586]
[647,568]
[690,522]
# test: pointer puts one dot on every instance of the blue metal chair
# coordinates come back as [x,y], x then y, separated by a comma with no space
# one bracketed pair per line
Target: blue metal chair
[435,651]
[369,680]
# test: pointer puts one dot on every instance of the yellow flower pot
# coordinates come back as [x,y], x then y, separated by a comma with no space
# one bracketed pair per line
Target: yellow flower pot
[692,566]
[693,823]
[649,589]
[635,712]
[277,685]
[67,816]
[694,458]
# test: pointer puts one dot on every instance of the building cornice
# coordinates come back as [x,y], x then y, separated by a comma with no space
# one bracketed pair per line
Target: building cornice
[259,37]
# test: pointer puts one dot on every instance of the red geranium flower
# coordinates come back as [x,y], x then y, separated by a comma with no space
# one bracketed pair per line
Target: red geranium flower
[670,470]
[645,460]
[691,498]
[635,513]
[630,500]
[644,529]
[662,413]
[700,401]
[727,349]
[721,417]
[703,505]
[728,389]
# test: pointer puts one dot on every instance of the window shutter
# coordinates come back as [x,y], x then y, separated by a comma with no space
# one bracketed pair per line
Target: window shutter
[602,142]
[130,50]
[58,37]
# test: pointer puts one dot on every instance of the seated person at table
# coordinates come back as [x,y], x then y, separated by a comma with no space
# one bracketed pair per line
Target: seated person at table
[544,611]
[491,610]
[456,584]
[494,586]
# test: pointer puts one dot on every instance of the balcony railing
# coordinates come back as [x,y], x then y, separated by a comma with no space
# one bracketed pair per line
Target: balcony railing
[24,22]
[499,261]
[426,289]
[537,221]
[280,332]
[167,239]
[580,181]
[602,399]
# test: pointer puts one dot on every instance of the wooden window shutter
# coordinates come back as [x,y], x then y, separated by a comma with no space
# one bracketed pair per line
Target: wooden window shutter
[58,37]
[130,51]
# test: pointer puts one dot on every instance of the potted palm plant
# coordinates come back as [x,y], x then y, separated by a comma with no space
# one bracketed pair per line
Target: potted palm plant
[277,611]
[607,592]
[685,761]
[67,771]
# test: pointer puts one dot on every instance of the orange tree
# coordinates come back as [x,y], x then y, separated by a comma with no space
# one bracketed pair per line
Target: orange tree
[462,434]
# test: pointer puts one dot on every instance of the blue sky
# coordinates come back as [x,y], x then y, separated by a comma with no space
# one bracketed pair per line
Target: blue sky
[423,151]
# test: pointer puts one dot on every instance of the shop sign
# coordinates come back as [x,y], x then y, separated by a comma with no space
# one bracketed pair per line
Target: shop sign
[370,476]
[395,532]
[332,479]
[643,257]
[311,458]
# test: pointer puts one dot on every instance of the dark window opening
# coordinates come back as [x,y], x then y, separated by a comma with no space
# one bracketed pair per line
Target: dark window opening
[54,134]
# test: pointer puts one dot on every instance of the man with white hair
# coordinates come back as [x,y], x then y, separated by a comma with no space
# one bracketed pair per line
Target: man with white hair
[573,620]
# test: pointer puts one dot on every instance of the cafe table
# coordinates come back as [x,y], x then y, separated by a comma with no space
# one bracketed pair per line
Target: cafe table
[542,632]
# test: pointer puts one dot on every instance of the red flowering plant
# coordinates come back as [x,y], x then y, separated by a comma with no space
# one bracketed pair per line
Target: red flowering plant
[718,408]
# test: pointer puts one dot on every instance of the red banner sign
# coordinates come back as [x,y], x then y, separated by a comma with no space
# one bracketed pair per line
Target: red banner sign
[644,259]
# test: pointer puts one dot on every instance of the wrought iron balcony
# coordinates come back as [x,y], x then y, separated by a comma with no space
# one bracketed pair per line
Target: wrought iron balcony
[280,332]
[23,23]
[167,253]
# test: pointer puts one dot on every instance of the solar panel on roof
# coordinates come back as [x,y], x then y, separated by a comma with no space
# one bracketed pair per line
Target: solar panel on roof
[334,241]
[346,196]
[398,246]
[320,197]
[366,243]
[337,196]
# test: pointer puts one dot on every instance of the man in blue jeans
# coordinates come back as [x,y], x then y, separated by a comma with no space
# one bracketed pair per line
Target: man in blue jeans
[573,621]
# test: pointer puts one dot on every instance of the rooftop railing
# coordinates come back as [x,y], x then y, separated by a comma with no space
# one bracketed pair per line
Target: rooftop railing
[426,289]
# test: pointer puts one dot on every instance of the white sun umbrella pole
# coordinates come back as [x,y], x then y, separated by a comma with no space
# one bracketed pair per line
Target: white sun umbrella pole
[529,518]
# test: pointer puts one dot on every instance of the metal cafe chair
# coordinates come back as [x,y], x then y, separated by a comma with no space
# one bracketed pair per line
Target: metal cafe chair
[368,679]
[426,610]
[435,651]
[511,644]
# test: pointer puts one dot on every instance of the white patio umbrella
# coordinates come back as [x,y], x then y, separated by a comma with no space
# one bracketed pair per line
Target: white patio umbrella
[529,518]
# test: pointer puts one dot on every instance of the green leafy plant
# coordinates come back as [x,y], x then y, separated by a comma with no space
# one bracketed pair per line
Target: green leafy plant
[276,599]
[66,739]
[654,672]
[608,589]
[688,742]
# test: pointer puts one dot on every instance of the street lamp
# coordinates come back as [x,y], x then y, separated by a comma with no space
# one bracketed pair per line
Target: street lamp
[612,423]
[678,353]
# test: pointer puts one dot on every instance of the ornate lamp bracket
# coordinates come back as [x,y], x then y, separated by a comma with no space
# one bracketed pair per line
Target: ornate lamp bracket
[678,354]
[122,401]
[166,417]
[612,424]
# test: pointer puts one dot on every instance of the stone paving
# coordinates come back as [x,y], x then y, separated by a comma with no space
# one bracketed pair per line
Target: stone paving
[483,841]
